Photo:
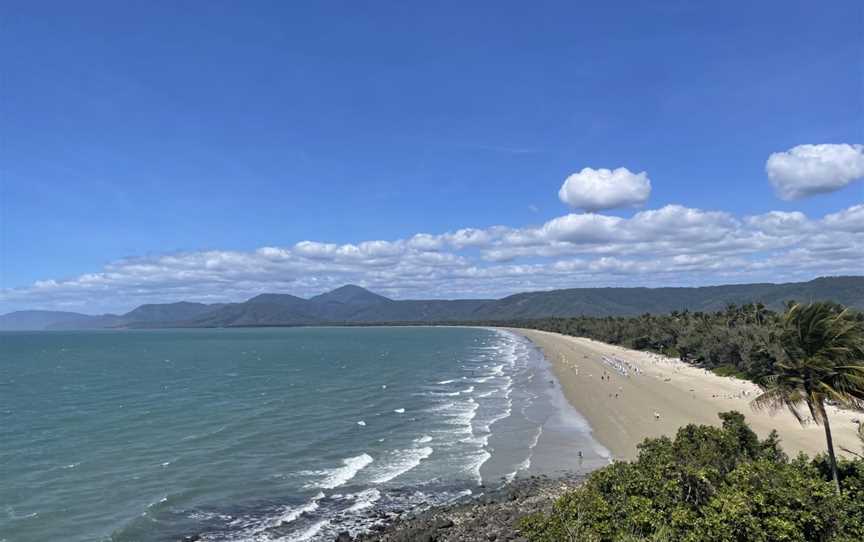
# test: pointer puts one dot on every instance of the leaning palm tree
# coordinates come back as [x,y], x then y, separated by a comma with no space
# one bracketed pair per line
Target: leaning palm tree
[861,438]
[823,351]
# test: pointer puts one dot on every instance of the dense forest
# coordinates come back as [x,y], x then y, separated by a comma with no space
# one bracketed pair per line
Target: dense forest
[709,483]
[738,341]
[725,484]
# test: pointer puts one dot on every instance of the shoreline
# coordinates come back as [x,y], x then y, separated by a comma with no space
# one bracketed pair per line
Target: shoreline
[658,395]
[491,516]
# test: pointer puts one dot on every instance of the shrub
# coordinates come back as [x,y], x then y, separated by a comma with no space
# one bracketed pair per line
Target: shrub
[709,483]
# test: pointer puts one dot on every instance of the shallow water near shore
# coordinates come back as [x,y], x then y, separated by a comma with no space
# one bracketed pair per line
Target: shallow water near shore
[267,434]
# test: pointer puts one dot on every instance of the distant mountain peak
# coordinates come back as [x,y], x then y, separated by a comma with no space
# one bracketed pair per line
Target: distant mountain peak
[277,299]
[350,294]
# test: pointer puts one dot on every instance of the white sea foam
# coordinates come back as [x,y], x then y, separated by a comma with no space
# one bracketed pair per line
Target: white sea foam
[440,394]
[364,500]
[422,440]
[399,411]
[340,475]
[536,438]
[292,513]
[402,462]
[308,533]
[508,410]
[462,413]
[477,462]
[447,382]
[523,466]
[480,440]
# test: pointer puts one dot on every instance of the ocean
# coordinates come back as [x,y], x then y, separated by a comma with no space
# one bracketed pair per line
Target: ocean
[267,434]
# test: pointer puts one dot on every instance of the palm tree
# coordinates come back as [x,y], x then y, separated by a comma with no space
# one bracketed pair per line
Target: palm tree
[861,438]
[824,361]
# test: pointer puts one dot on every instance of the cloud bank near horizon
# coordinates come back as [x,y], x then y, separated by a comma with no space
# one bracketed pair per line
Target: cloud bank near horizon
[672,245]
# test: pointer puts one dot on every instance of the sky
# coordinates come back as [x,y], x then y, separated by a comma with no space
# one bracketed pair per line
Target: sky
[210,151]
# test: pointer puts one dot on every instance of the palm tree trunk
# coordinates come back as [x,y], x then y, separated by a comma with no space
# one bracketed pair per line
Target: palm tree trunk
[831,457]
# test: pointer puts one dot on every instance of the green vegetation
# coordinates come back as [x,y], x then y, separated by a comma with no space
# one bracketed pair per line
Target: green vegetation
[823,351]
[738,341]
[353,305]
[710,483]
[725,484]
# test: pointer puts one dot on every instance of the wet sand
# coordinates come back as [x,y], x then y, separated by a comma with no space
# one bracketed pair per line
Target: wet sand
[658,395]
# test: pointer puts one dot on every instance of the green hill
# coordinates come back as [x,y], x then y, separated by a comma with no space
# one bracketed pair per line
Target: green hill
[356,305]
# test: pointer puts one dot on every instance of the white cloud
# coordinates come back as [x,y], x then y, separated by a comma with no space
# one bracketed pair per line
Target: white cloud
[582,228]
[851,220]
[679,222]
[672,245]
[598,189]
[806,170]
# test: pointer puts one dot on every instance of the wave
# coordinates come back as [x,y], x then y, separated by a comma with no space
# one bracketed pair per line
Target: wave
[405,461]
[424,439]
[309,533]
[363,500]
[523,466]
[439,394]
[536,438]
[399,411]
[508,410]
[334,478]
[291,514]
[462,413]
[476,463]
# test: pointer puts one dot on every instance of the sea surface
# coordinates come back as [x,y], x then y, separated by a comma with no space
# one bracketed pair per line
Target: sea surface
[267,434]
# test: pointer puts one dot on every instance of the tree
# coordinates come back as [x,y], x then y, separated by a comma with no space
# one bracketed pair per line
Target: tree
[861,438]
[823,352]
[708,483]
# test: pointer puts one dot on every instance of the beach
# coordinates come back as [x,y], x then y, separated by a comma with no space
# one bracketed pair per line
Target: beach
[628,395]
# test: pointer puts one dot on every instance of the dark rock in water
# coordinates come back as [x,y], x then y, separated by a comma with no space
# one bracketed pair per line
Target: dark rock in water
[344,536]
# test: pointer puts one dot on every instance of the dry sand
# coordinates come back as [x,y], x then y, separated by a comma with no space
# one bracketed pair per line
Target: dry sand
[624,410]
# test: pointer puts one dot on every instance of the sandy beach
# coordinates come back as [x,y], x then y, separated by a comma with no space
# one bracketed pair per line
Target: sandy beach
[627,395]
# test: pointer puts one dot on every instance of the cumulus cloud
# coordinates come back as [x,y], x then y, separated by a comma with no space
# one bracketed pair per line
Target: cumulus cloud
[851,220]
[599,189]
[806,170]
[671,245]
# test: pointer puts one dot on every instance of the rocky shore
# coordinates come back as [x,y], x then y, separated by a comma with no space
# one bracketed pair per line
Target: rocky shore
[490,517]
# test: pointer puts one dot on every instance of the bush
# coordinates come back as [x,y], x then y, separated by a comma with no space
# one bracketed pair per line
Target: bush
[709,483]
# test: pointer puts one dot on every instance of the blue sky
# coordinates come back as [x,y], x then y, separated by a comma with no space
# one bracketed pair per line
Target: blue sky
[185,137]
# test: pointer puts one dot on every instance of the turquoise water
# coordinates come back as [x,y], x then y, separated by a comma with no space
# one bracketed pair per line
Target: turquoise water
[266,434]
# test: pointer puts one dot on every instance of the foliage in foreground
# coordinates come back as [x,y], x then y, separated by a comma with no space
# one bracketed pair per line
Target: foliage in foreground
[710,484]
[824,350]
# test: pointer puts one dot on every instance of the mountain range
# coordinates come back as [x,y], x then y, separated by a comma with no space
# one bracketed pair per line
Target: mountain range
[355,305]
